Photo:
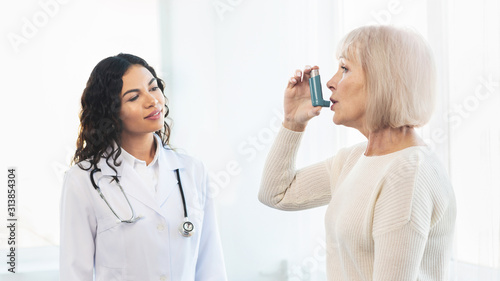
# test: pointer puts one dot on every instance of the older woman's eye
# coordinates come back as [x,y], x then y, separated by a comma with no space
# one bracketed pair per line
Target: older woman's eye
[344,69]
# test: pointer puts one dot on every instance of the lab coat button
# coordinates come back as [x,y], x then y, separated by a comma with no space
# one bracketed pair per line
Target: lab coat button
[163,278]
[160,228]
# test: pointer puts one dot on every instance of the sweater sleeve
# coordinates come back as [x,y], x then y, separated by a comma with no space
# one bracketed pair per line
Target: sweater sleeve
[283,187]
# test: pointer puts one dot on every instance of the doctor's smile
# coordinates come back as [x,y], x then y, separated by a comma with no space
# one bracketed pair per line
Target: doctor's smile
[154,115]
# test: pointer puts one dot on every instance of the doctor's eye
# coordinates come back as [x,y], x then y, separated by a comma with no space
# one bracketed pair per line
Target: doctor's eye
[155,88]
[134,98]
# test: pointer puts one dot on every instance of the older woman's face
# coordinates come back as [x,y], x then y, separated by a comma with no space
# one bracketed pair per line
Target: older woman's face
[348,94]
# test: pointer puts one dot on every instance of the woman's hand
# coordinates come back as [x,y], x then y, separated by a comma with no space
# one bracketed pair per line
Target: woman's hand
[298,106]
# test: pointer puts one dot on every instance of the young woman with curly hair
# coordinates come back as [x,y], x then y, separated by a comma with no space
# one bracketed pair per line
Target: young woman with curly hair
[132,208]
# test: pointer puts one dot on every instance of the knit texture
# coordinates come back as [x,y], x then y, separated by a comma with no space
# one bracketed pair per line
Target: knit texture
[389,217]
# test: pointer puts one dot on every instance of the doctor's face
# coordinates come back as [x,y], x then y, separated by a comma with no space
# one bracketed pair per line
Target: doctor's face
[142,102]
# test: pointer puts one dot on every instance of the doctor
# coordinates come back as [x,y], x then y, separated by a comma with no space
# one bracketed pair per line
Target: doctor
[132,208]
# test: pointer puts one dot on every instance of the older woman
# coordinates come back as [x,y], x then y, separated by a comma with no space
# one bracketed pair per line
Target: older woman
[391,208]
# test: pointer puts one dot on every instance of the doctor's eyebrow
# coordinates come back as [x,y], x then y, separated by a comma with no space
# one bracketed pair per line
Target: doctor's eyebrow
[137,90]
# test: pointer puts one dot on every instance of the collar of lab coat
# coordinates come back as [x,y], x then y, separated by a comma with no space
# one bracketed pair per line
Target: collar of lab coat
[134,161]
[132,184]
[167,159]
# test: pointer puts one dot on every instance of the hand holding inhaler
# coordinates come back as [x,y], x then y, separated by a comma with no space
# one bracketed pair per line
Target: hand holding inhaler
[298,95]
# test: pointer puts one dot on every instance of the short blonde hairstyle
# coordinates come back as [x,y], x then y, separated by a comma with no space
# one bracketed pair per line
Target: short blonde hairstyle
[399,71]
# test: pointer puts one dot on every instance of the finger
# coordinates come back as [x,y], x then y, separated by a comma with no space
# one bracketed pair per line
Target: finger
[307,71]
[292,82]
[298,75]
[315,111]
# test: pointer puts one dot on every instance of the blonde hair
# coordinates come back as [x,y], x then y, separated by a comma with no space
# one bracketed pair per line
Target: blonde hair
[400,75]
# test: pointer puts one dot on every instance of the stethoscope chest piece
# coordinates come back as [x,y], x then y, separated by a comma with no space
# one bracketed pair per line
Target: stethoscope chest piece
[186,228]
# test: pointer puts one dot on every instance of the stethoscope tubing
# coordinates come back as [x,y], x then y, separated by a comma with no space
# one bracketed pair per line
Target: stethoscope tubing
[186,227]
[182,193]
[133,218]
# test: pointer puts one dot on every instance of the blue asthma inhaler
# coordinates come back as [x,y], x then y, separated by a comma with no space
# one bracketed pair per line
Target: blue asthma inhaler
[315,88]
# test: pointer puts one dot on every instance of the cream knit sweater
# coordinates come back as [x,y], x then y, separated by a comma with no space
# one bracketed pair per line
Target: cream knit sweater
[389,217]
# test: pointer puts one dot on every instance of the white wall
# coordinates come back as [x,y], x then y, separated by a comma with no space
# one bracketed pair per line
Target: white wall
[226,64]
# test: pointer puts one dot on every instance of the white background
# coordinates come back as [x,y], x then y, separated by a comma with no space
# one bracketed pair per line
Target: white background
[226,64]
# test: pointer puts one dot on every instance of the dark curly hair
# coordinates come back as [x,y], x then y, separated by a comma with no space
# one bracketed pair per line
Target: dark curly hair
[100,124]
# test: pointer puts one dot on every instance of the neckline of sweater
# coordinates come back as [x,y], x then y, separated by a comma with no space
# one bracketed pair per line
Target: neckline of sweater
[395,153]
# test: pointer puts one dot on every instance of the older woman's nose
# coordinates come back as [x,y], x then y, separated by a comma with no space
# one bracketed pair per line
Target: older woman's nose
[332,84]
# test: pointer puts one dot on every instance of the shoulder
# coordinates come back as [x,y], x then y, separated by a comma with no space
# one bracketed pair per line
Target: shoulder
[187,165]
[190,161]
[183,160]
[432,185]
[77,171]
[350,152]
[419,170]
[348,156]
[421,166]
[355,151]
[415,189]
[193,172]
[76,185]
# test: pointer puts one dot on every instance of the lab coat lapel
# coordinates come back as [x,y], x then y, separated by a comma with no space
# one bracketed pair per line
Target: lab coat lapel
[134,186]
[167,179]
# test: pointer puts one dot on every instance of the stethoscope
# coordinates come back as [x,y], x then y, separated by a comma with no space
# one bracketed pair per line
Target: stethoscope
[186,228]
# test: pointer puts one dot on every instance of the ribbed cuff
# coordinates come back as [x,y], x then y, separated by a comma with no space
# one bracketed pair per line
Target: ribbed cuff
[288,137]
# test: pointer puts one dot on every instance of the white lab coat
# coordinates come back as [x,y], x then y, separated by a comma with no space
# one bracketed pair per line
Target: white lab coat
[151,248]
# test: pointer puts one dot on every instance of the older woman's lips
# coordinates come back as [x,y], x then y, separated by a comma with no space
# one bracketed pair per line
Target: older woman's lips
[334,102]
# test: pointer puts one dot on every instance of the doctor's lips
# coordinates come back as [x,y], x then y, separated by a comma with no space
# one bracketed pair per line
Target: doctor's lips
[154,115]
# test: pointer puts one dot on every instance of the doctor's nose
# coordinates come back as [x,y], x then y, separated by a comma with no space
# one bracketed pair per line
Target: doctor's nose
[152,102]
